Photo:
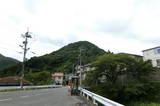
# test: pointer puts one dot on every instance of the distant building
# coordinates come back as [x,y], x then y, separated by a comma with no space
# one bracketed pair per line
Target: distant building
[83,70]
[133,55]
[13,81]
[58,78]
[88,68]
[152,54]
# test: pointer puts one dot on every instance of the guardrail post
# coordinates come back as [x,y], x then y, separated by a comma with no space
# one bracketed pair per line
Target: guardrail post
[81,92]
[87,97]
[94,102]
[97,98]
[84,94]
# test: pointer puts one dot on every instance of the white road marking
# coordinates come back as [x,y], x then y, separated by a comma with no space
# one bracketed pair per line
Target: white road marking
[5,99]
[25,96]
[42,94]
[38,94]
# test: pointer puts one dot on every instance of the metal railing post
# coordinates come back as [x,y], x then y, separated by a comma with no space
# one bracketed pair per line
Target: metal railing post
[94,102]
[98,98]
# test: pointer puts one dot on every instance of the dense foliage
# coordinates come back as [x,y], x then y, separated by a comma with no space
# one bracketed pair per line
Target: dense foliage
[39,78]
[63,59]
[6,62]
[126,79]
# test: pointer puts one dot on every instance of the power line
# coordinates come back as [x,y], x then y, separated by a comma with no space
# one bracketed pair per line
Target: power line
[2,49]
[8,49]
[8,44]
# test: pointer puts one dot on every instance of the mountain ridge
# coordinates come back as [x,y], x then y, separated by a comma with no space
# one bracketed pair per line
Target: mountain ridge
[69,54]
[61,60]
[6,61]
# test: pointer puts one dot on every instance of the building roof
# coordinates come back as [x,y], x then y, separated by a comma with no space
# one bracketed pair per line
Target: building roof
[132,54]
[58,74]
[151,48]
[8,81]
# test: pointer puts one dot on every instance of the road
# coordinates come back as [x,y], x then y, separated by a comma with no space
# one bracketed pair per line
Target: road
[43,97]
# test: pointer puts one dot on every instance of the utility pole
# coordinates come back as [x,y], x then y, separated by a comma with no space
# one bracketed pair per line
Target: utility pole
[80,63]
[73,70]
[24,47]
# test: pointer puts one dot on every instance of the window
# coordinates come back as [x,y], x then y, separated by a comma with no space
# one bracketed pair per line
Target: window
[157,51]
[158,62]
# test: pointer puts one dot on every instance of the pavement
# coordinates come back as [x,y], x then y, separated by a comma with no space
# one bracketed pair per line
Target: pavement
[43,97]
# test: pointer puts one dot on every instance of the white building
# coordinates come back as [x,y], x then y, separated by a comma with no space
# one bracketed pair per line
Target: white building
[152,54]
[58,78]
[83,70]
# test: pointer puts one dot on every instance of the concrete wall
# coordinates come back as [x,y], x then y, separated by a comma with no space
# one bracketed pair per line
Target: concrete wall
[58,79]
[151,55]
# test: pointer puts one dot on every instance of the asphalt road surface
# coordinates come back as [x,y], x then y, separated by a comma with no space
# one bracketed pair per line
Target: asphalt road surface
[44,97]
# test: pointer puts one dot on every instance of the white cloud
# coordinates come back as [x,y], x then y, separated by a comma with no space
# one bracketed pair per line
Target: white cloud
[118,25]
[146,20]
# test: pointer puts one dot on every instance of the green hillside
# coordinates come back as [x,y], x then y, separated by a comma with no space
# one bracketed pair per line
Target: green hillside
[6,62]
[61,60]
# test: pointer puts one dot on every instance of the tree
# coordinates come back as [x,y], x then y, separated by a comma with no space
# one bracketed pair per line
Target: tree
[39,78]
[127,78]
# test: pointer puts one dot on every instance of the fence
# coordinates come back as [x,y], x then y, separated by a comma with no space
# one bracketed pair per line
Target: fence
[94,97]
[18,87]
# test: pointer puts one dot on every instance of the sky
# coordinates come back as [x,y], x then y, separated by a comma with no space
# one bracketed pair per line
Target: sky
[128,26]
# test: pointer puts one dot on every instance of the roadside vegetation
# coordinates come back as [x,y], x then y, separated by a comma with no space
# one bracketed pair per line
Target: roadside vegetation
[144,104]
[124,79]
[39,78]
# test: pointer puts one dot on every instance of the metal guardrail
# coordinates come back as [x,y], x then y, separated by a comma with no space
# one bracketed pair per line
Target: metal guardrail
[100,99]
[18,87]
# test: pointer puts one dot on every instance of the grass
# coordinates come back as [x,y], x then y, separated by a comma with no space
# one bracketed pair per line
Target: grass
[144,104]
[139,104]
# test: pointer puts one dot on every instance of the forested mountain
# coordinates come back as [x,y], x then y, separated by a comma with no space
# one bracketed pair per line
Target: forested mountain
[6,62]
[61,60]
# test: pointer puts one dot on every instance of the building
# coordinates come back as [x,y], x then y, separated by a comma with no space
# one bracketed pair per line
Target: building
[152,54]
[58,78]
[138,57]
[13,81]
[83,70]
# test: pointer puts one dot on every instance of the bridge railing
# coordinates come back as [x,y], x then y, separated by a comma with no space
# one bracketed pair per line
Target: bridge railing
[94,97]
[18,87]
